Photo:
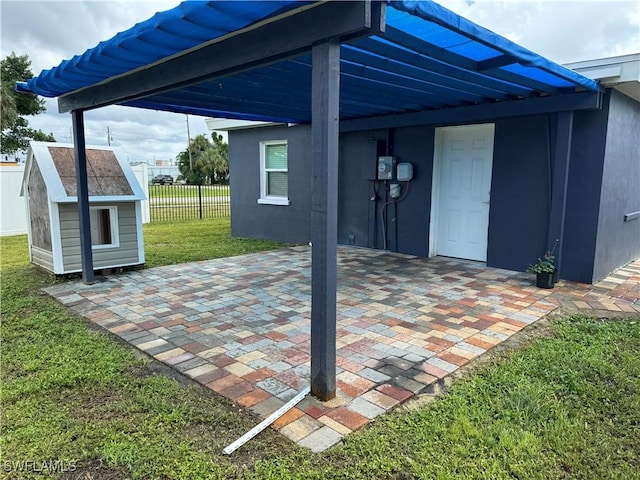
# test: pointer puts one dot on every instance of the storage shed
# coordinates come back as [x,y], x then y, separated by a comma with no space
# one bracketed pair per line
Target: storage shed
[49,187]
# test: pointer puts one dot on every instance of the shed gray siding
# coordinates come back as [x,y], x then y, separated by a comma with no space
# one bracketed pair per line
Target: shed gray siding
[618,242]
[39,217]
[125,254]
[42,258]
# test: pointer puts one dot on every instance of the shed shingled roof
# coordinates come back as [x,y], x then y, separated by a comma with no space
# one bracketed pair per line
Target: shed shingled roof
[109,178]
[105,176]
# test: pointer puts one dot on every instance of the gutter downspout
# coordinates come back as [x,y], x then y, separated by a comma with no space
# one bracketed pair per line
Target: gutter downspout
[559,186]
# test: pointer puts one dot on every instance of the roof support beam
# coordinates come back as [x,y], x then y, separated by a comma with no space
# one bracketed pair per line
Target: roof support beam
[495,62]
[433,79]
[442,68]
[476,113]
[324,216]
[440,54]
[82,188]
[263,45]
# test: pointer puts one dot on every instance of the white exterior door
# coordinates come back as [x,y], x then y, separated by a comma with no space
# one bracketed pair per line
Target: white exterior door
[461,191]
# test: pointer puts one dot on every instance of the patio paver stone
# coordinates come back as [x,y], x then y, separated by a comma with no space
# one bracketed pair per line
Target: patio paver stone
[240,326]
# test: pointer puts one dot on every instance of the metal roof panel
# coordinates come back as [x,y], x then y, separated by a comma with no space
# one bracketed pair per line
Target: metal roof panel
[428,58]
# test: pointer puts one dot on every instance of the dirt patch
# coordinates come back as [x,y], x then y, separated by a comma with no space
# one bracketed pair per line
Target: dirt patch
[93,469]
[603,315]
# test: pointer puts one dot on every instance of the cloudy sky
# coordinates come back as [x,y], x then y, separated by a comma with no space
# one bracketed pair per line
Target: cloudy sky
[50,31]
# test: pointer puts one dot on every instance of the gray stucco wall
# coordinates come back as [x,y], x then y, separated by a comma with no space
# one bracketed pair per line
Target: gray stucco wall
[583,193]
[519,210]
[414,145]
[618,242]
[523,163]
[519,197]
[360,218]
[285,223]
[519,192]
[355,209]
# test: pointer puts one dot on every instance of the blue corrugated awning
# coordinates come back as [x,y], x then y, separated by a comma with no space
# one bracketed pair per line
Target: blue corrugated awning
[427,58]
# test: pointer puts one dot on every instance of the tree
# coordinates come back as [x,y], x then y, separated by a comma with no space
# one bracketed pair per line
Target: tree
[208,163]
[190,164]
[219,154]
[16,132]
[9,113]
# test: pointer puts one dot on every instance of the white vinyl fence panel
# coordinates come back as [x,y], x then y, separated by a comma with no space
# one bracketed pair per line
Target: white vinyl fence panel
[13,211]
[141,172]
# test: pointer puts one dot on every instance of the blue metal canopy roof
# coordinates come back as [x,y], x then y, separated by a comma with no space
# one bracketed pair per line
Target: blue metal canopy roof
[427,58]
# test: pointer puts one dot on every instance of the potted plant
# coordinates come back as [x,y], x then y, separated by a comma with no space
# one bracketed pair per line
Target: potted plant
[545,270]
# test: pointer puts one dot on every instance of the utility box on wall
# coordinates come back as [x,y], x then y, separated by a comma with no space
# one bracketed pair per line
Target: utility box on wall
[386,166]
[53,227]
[405,172]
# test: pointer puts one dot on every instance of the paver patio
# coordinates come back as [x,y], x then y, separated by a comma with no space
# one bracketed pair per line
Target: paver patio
[240,326]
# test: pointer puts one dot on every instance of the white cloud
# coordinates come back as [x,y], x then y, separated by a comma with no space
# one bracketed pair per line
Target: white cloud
[50,31]
[563,31]
[141,135]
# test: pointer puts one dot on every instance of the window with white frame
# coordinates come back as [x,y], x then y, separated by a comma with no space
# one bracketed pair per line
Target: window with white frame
[274,173]
[104,227]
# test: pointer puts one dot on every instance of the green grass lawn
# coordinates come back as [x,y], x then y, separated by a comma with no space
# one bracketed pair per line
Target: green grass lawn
[562,406]
[190,241]
[187,191]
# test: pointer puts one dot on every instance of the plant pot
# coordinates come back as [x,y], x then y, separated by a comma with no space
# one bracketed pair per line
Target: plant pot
[545,279]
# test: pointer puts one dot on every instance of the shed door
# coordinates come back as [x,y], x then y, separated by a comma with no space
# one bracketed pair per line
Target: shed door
[464,156]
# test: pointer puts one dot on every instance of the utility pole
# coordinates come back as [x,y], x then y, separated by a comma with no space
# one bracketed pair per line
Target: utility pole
[189,144]
[109,136]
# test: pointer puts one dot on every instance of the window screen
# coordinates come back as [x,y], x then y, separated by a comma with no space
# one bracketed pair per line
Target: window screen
[276,175]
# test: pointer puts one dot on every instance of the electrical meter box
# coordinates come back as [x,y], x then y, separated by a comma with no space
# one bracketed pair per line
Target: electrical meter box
[386,166]
[405,172]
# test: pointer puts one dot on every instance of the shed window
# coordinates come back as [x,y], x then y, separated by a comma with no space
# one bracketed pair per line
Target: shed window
[274,173]
[104,227]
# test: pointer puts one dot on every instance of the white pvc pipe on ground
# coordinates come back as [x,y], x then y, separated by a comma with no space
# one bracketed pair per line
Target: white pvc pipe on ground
[266,422]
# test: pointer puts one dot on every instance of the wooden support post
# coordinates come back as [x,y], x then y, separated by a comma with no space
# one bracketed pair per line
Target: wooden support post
[324,217]
[559,183]
[82,187]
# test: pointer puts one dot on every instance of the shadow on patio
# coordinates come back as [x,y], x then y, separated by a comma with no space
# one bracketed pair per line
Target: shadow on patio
[240,326]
